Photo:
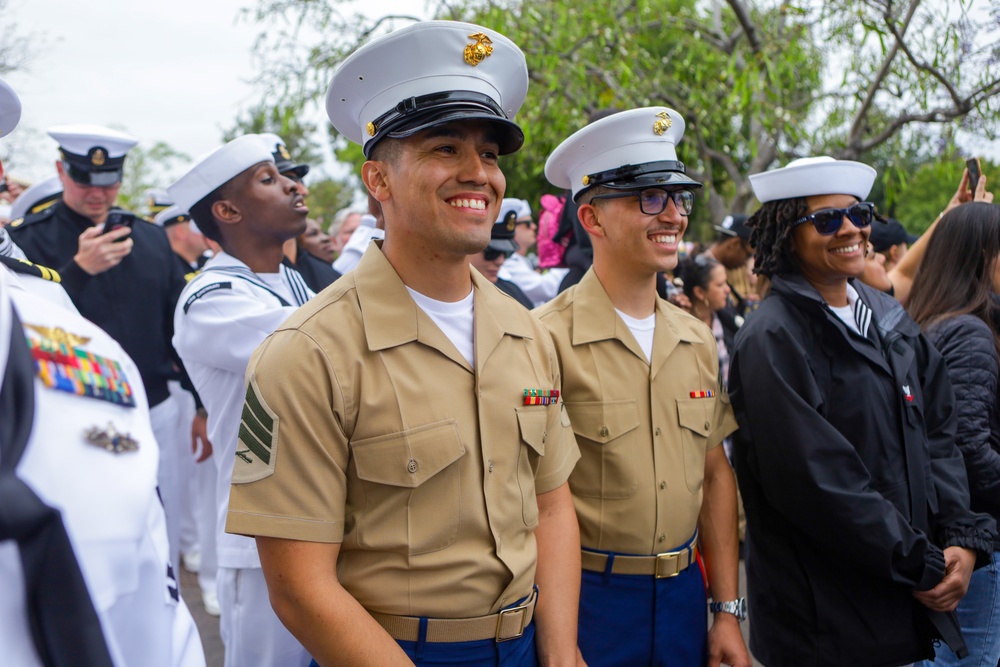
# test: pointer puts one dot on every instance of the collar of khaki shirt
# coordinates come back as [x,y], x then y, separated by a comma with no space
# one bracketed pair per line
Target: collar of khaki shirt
[392,318]
[595,319]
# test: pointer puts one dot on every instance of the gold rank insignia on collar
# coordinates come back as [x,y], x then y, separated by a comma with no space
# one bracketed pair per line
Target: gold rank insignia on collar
[109,439]
[480,51]
[662,124]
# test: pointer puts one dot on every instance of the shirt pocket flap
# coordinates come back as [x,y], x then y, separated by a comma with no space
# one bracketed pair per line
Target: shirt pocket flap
[696,414]
[409,458]
[603,421]
[533,424]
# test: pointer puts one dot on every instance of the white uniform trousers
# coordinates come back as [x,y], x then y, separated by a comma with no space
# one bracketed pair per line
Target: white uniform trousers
[165,418]
[250,630]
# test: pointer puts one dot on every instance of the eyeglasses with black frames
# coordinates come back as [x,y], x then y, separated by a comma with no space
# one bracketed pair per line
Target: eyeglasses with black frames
[652,201]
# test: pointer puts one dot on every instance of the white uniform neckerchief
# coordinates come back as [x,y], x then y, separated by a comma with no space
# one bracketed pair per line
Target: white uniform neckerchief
[296,285]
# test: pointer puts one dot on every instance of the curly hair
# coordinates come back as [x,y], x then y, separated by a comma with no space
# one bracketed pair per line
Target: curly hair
[770,235]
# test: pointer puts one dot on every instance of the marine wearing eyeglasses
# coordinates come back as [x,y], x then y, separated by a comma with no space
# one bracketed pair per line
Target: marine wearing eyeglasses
[653,489]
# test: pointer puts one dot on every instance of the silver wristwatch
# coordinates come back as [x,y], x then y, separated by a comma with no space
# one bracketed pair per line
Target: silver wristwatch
[737,608]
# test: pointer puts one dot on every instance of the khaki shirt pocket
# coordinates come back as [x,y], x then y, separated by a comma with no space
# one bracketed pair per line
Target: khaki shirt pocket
[411,490]
[532,422]
[608,468]
[695,417]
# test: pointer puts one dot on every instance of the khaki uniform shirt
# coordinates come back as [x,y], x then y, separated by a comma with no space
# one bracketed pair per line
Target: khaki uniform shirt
[643,438]
[367,427]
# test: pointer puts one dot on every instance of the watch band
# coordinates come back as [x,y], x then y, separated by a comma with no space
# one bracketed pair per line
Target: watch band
[737,608]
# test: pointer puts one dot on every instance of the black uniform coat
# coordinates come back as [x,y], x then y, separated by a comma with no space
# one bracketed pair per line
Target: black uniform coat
[850,477]
[134,301]
[514,291]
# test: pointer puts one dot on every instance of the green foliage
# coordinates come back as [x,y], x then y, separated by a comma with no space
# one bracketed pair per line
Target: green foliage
[147,168]
[927,190]
[759,82]
[328,196]
[287,121]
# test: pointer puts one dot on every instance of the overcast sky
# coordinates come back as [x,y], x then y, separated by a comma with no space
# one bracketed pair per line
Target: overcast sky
[176,71]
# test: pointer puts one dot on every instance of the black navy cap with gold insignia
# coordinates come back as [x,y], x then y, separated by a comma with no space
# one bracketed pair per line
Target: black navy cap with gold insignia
[502,234]
[92,155]
[282,158]
[36,197]
[626,151]
[10,109]
[428,74]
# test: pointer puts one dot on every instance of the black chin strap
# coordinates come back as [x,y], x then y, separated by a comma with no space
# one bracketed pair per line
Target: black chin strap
[64,626]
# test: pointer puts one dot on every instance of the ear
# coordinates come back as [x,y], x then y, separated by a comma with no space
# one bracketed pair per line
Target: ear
[590,217]
[226,213]
[375,176]
[698,293]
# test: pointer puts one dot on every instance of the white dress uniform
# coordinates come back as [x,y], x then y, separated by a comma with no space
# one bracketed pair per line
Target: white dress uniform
[224,313]
[108,502]
[539,287]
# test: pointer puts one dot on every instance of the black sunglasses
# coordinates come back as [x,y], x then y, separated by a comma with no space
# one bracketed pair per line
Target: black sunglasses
[828,221]
[652,201]
[490,254]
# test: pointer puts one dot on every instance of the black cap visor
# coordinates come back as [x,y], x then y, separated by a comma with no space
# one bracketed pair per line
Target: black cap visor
[668,174]
[100,179]
[503,245]
[422,113]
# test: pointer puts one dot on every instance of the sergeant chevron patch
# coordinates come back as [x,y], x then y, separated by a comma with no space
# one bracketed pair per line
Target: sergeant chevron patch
[258,442]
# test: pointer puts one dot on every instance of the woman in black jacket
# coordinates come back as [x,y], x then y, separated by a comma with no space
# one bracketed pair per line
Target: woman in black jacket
[954,301]
[860,541]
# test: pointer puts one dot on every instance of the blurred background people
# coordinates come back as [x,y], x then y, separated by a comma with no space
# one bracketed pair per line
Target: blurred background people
[954,299]
[891,240]
[518,268]
[491,260]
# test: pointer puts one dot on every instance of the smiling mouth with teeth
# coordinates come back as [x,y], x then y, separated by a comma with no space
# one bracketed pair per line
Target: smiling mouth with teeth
[847,249]
[663,238]
[477,204]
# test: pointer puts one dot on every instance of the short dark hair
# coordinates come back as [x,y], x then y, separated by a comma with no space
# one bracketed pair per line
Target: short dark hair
[203,216]
[770,235]
[587,197]
[387,150]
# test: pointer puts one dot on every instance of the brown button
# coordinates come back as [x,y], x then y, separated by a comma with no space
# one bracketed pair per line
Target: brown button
[604,431]
[657,430]
[663,484]
[545,434]
[412,466]
[491,465]
[661,537]
[707,426]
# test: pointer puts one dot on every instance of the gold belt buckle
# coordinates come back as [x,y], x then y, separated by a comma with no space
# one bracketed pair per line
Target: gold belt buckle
[500,618]
[664,558]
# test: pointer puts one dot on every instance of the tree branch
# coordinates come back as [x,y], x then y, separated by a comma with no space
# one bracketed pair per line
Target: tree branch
[876,83]
[749,29]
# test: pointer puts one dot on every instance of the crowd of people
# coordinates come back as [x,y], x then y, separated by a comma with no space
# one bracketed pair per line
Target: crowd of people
[397,440]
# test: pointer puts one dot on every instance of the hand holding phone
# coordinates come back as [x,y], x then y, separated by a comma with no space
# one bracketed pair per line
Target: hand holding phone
[972,164]
[117,220]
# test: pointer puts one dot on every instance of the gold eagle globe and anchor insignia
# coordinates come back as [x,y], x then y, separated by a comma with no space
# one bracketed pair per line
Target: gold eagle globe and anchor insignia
[370,128]
[99,157]
[480,51]
[663,123]
[284,152]
[109,439]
